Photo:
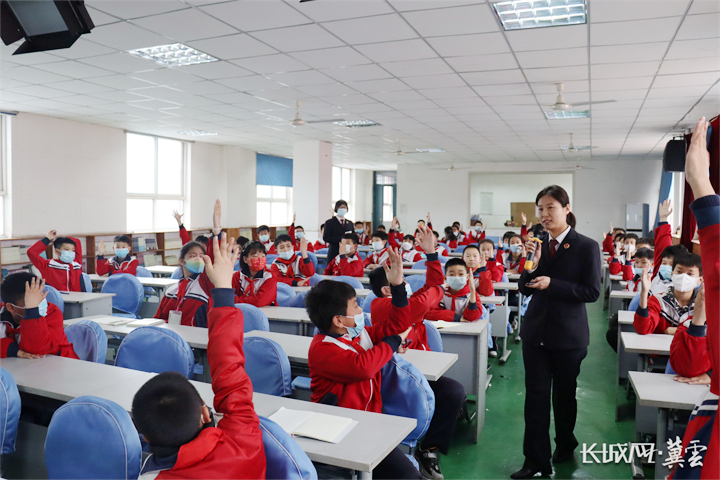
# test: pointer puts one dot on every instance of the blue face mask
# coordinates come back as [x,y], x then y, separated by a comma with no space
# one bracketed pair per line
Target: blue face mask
[195,266]
[665,272]
[67,256]
[456,283]
[359,231]
[359,325]
[408,290]
[637,270]
[342,212]
[516,248]
[299,235]
[264,238]
[42,307]
[286,255]
[122,253]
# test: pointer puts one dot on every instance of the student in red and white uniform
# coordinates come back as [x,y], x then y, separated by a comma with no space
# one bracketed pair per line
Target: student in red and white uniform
[495,267]
[184,235]
[320,243]
[408,251]
[477,264]
[450,239]
[186,443]
[298,235]
[380,250]
[289,268]
[254,283]
[395,235]
[514,259]
[459,302]
[348,262]
[632,271]
[346,357]
[65,272]
[122,262]
[30,327]
[263,232]
[458,232]
[361,233]
[439,249]
[475,234]
[612,238]
[620,257]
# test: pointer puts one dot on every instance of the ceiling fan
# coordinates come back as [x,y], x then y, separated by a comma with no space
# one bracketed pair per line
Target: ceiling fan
[452,167]
[400,151]
[573,148]
[579,167]
[299,122]
[560,104]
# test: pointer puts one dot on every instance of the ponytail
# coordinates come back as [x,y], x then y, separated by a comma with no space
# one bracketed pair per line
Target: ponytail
[571,219]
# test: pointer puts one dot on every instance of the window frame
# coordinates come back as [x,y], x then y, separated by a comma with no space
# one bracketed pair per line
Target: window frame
[349,197]
[288,201]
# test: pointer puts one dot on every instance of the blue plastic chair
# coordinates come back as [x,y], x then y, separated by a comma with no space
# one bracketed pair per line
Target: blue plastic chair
[9,412]
[268,367]
[86,281]
[92,438]
[285,458]
[237,265]
[145,273]
[312,258]
[434,338]
[129,294]
[298,300]
[322,262]
[285,294]
[54,297]
[270,258]
[352,281]
[446,246]
[315,279]
[253,318]
[367,303]
[88,339]
[460,248]
[420,265]
[178,273]
[443,259]
[416,282]
[406,393]
[155,350]
[634,303]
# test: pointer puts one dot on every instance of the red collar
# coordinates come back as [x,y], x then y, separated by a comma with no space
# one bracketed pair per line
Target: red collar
[195,451]
[460,293]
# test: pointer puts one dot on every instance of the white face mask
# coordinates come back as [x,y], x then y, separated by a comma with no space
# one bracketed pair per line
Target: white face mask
[378,245]
[407,246]
[286,255]
[682,282]
[456,283]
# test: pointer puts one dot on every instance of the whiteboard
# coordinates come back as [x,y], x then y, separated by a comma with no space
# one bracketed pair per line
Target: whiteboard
[486,203]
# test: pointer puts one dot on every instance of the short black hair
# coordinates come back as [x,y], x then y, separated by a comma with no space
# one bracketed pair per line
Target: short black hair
[618,229]
[327,299]
[456,224]
[378,280]
[12,288]
[166,410]
[486,240]
[351,236]
[421,220]
[674,251]
[508,234]
[299,227]
[630,236]
[513,236]
[189,246]
[248,250]
[262,228]
[645,253]
[282,238]
[242,241]
[123,238]
[339,203]
[646,240]
[409,237]
[687,260]
[380,235]
[358,222]
[202,240]
[455,261]
[60,241]
[437,235]
[380,226]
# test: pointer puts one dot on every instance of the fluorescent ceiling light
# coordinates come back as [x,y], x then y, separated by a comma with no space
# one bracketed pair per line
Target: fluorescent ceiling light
[563,114]
[519,14]
[175,55]
[430,150]
[357,123]
[196,133]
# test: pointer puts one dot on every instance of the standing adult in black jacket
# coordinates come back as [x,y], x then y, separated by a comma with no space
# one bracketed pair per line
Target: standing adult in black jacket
[555,332]
[335,228]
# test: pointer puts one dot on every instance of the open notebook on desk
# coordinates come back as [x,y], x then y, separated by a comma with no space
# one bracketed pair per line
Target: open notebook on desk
[440,324]
[318,426]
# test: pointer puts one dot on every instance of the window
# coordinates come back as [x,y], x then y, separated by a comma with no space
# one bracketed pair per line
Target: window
[4,160]
[387,207]
[342,188]
[155,182]
[274,205]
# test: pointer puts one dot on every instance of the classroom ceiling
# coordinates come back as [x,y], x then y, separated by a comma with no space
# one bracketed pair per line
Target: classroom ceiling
[434,73]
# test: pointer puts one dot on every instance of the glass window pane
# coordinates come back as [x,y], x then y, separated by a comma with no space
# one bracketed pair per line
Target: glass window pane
[387,195]
[140,164]
[387,213]
[170,167]
[163,214]
[336,184]
[279,193]
[139,214]
[263,213]
[346,184]
[264,191]
[2,215]
[279,213]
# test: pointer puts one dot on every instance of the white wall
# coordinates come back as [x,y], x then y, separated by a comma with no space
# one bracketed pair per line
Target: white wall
[312,184]
[507,188]
[208,182]
[241,192]
[363,191]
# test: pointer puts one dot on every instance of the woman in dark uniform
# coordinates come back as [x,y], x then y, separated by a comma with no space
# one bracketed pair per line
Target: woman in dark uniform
[335,228]
[555,332]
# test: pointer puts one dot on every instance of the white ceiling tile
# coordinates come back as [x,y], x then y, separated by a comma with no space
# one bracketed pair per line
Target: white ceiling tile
[125,36]
[479,63]
[331,57]
[408,5]
[118,96]
[307,77]
[120,82]
[232,47]
[343,9]
[701,79]
[640,31]
[83,48]
[250,15]
[435,81]
[271,64]
[372,86]
[205,88]
[185,25]
[246,84]
[493,90]
[453,21]
[690,65]
[327,90]
[457,92]
[126,9]
[624,70]
[120,62]
[392,97]
[704,6]
[669,92]
[513,100]
[621,83]
[414,68]
[683,49]
[494,77]
[450,103]
[639,52]
[395,51]
[548,38]
[77,86]
[31,75]
[466,45]
[383,28]
[700,26]
[563,57]
[216,70]
[155,91]
[620,10]
[556,74]
[85,100]
[167,76]
[357,73]
[100,18]
[40,91]
[71,68]
[295,39]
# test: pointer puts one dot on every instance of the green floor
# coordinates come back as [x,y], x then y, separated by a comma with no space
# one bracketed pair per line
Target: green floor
[499,451]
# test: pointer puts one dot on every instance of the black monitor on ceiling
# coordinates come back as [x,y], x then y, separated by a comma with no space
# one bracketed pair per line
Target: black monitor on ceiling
[44,24]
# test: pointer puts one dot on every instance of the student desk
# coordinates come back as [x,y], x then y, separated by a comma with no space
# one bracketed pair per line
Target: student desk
[321,255]
[294,321]
[626,361]
[499,317]
[455,254]
[160,285]
[431,364]
[616,282]
[363,280]
[360,292]
[162,270]
[63,379]
[470,341]
[618,298]
[406,271]
[513,277]
[662,392]
[82,304]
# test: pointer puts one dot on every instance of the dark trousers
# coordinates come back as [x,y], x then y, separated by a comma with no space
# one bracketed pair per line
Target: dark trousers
[550,373]
[613,331]
[396,465]
[449,400]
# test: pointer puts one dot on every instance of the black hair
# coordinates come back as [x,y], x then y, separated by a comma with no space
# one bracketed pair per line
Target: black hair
[674,251]
[456,224]
[202,240]
[424,221]
[687,260]
[437,235]
[380,235]
[322,227]
[470,247]
[248,250]
[189,246]
[630,236]
[242,241]
[123,238]
[513,236]
[558,193]
[508,234]
[60,241]
[409,237]
[339,203]
[262,228]
[327,299]
[12,288]
[378,280]
[645,253]
[646,240]
[618,229]
[300,227]
[351,236]
[379,227]
[486,240]
[282,238]
[449,235]
[166,410]
[358,222]
[455,261]
[417,230]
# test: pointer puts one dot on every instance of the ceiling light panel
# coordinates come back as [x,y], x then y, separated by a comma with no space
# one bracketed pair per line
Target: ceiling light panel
[196,133]
[358,123]
[174,55]
[562,115]
[522,14]
[430,150]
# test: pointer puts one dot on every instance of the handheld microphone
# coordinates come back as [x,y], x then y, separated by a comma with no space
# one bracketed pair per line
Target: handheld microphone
[529,263]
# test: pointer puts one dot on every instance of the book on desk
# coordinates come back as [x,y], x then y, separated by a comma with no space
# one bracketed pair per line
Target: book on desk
[315,425]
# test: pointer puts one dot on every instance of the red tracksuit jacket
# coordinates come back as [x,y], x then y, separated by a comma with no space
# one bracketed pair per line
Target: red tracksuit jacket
[440,250]
[293,270]
[376,258]
[496,269]
[35,334]
[184,235]
[296,242]
[364,239]
[192,297]
[66,277]
[410,255]
[473,237]
[347,372]
[608,246]
[114,266]
[663,239]
[454,307]
[233,449]
[483,282]
[351,266]
[661,313]
[509,263]
[319,244]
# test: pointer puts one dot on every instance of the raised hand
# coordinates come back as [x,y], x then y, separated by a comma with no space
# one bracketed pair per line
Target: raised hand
[343,249]
[699,317]
[220,271]
[665,209]
[294,216]
[217,215]
[303,246]
[394,267]
[697,162]
[34,293]
[428,217]
[101,248]
[178,217]
[51,235]
[646,279]
[524,218]
[471,285]
[426,239]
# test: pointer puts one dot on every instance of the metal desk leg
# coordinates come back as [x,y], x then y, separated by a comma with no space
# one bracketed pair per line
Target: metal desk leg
[506,353]
[365,475]
[661,444]
[482,375]
[206,366]
[617,377]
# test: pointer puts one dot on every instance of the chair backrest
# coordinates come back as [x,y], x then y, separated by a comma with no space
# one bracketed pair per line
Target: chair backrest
[54,297]
[92,438]
[285,459]
[460,248]
[178,273]
[322,251]
[253,318]
[88,339]
[434,338]
[416,282]
[312,258]
[86,281]
[315,279]
[145,273]
[128,290]
[298,300]
[237,265]
[420,265]
[446,246]
[504,278]
[406,393]
[268,367]
[443,259]
[368,301]
[285,294]
[634,303]
[270,258]
[352,281]
[9,412]
[156,350]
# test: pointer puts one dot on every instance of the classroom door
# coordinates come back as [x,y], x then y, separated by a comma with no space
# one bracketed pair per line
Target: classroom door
[384,205]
